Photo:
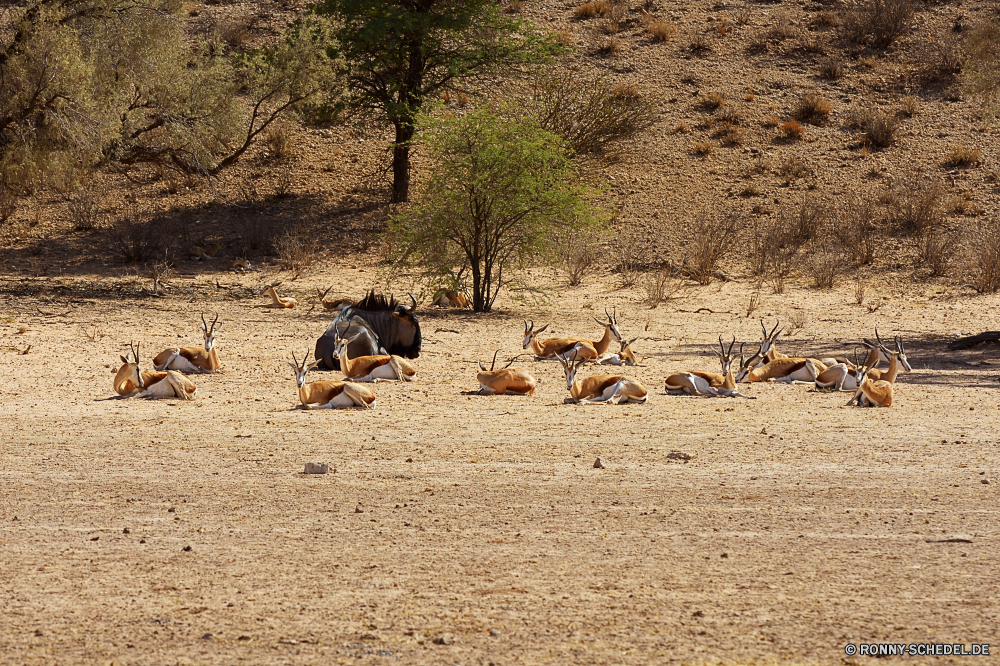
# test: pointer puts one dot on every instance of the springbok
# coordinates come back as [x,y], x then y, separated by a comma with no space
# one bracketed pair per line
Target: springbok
[132,382]
[276,300]
[507,380]
[564,347]
[372,368]
[786,370]
[845,374]
[871,393]
[609,389]
[197,253]
[769,351]
[193,359]
[338,304]
[329,394]
[238,265]
[710,384]
[624,356]
[452,299]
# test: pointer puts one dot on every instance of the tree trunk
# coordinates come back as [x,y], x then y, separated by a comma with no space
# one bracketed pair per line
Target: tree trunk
[401,162]
[478,297]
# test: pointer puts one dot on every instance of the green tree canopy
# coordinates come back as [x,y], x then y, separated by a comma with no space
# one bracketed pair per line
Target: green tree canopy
[500,191]
[398,54]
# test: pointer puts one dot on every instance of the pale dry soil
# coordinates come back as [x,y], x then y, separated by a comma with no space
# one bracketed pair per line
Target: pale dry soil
[156,532]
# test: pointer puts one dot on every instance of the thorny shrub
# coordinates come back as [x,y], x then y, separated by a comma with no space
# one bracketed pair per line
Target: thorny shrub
[707,241]
[983,261]
[858,229]
[877,23]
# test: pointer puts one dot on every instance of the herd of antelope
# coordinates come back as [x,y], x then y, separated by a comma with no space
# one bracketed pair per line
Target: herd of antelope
[869,385]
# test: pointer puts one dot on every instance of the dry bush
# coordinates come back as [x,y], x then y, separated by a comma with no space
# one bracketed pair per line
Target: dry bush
[743,14]
[806,221]
[577,255]
[565,37]
[983,261]
[660,286]
[909,106]
[730,134]
[608,45]
[859,230]
[233,31]
[913,204]
[811,43]
[85,208]
[771,121]
[826,19]
[794,167]
[877,23]
[160,272]
[750,190]
[753,303]
[708,240]
[298,251]
[629,259]
[592,9]
[963,156]
[772,252]
[824,267]
[831,69]
[703,148]
[8,204]
[589,113]
[963,205]
[792,130]
[283,183]
[662,31]
[936,249]
[939,59]
[783,28]
[813,108]
[514,7]
[700,44]
[612,25]
[879,129]
[134,236]
[257,234]
[728,114]
[279,142]
[797,321]
[860,290]
[713,101]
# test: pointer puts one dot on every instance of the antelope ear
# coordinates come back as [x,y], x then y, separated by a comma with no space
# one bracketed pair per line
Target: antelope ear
[481,366]
[313,365]
[124,360]
[541,329]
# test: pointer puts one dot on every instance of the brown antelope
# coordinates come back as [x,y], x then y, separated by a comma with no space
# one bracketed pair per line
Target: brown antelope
[452,299]
[372,368]
[710,384]
[871,393]
[238,265]
[338,304]
[624,356]
[193,359]
[276,300]
[197,253]
[507,380]
[132,382]
[329,394]
[609,389]
[845,374]
[769,351]
[786,370]
[564,347]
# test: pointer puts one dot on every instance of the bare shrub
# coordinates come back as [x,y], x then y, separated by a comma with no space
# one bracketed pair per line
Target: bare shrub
[831,69]
[794,167]
[859,230]
[939,59]
[612,25]
[909,106]
[963,205]
[278,140]
[743,14]
[963,156]
[792,130]
[8,204]
[806,220]
[728,114]
[591,9]
[608,45]
[700,44]
[85,208]
[914,204]
[233,31]
[879,129]
[813,108]
[730,134]
[983,262]
[628,261]
[860,290]
[935,249]
[703,148]
[134,236]
[160,272]
[283,183]
[877,23]
[565,37]
[773,252]
[771,120]
[708,240]
[783,28]
[824,267]
[577,255]
[258,234]
[515,7]
[589,113]
[713,100]
[660,286]
[297,251]
[797,321]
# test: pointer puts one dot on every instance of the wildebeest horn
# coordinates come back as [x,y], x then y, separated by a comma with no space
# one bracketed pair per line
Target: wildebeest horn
[414,306]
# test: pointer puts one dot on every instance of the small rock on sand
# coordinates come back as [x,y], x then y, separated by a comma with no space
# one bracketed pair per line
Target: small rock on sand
[599,463]
[317,468]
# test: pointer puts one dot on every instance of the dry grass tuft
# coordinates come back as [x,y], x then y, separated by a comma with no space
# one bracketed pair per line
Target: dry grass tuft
[661,286]
[909,106]
[592,9]
[878,129]
[706,243]
[859,230]
[297,252]
[983,261]
[608,45]
[85,208]
[662,31]
[963,156]
[792,130]
[278,140]
[771,121]
[831,69]
[713,100]
[877,23]
[824,267]
[703,148]
[813,108]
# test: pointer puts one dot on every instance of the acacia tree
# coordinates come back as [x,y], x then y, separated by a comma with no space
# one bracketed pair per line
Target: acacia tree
[90,81]
[398,54]
[499,192]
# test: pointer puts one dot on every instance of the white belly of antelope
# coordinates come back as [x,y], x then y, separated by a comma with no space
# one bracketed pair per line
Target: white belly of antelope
[381,372]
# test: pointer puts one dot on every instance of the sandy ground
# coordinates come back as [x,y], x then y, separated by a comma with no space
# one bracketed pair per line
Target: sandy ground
[154,532]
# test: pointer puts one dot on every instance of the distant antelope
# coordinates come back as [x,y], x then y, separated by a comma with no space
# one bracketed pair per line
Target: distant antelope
[624,356]
[769,351]
[871,393]
[584,348]
[709,383]
[452,299]
[197,253]
[238,265]
[193,359]
[844,374]
[338,304]
[329,394]
[507,380]
[131,382]
[786,370]
[372,368]
[276,300]
[610,389]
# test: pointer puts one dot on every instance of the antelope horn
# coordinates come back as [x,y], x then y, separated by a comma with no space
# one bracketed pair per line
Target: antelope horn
[610,318]
[297,364]
[776,325]
[204,324]
[614,314]
[511,361]
[481,366]
[763,328]
[881,344]
[494,363]
[213,322]
[527,328]
[730,352]
[602,323]
[631,341]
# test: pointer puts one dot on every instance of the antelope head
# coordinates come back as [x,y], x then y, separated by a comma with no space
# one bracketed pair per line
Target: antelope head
[626,354]
[131,359]
[726,356]
[611,323]
[530,333]
[570,366]
[768,343]
[747,364]
[301,368]
[210,332]
[899,352]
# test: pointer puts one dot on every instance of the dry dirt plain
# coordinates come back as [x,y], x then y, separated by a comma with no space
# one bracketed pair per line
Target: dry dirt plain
[162,532]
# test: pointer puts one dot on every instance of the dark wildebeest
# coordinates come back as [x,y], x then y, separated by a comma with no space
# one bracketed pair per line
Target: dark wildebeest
[381,324]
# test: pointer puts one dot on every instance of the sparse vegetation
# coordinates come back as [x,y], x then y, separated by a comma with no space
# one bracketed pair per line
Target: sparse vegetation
[591,9]
[660,286]
[608,45]
[963,156]
[831,69]
[662,31]
[877,23]
[909,106]
[914,204]
[713,101]
[813,108]
[824,267]
[792,130]
[981,67]
[859,230]
[134,236]
[577,254]
[983,261]
[878,129]
[85,208]
[707,241]
[297,251]
[703,148]
[935,250]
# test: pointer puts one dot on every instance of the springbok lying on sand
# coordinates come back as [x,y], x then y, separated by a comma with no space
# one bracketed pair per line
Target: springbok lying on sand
[372,368]
[329,394]
[276,300]
[131,382]
[609,389]
[710,384]
[193,359]
[507,380]
[624,356]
